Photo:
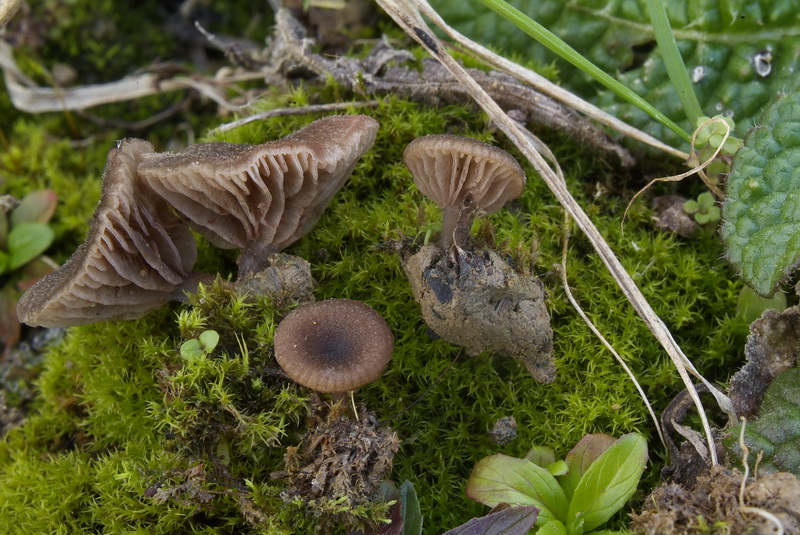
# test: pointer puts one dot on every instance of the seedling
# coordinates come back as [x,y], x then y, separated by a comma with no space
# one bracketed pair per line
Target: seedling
[704,209]
[575,495]
[199,348]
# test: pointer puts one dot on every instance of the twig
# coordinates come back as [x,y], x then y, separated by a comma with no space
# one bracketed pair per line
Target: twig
[407,15]
[28,97]
[281,112]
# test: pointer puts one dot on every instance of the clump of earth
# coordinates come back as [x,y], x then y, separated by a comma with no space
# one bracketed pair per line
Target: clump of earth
[477,301]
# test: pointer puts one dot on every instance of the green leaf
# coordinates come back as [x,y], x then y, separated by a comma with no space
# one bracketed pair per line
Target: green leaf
[558,468]
[26,241]
[739,53]
[503,479]
[541,456]
[552,528]
[410,511]
[209,340]
[776,432]
[761,231]
[35,207]
[750,305]
[609,482]
[192,350]
[581,457]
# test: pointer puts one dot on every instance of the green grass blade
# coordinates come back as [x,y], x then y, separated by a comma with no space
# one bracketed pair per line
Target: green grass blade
[556,45]
[673,60]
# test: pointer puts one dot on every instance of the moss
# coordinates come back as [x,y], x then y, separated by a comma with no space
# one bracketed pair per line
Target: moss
[127,436]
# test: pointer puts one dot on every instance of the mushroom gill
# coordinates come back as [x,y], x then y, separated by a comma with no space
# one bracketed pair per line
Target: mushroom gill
[137,256]
[261,198]
[455,170]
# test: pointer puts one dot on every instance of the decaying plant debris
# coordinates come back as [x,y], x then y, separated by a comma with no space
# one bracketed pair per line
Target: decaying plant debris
[712,505]
[341,461]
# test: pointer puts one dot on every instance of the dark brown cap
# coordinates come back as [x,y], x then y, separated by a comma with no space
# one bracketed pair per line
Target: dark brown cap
[136,257]
[333,346]
[261,198]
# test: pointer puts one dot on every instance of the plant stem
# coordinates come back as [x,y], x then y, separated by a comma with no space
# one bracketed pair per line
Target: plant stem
[556,45]
[673,60]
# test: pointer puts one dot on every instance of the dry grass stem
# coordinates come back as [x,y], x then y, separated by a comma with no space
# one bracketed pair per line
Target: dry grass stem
[407,15]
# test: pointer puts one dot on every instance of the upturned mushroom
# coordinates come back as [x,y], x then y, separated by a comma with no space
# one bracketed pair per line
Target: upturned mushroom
[333,346]
[461,175]
[138,255]
[261,198]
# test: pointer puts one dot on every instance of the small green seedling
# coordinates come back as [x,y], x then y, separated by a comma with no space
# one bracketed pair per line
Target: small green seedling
[704,209]
[199,348]
[575,495]
[712,132]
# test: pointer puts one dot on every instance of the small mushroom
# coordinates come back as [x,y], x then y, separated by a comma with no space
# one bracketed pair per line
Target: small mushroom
[333,346]
[137,256]
[261,198]
[461,174]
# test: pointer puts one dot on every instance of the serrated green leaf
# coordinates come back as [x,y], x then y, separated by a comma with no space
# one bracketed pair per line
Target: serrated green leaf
[609,482]
[776,432]
[502,479]
[761,230]
[26,241]
[739,54]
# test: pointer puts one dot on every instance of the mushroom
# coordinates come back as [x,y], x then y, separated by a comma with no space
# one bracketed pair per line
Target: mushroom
[261,198]
[333,346]
[137,256]
[461,174]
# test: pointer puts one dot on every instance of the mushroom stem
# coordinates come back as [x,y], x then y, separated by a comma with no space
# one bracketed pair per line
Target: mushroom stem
[450,216]
[457,223]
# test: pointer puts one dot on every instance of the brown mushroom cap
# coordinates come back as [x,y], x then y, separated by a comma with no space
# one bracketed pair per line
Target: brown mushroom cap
[333,346]
[261,198]
[136,257]
[446,168]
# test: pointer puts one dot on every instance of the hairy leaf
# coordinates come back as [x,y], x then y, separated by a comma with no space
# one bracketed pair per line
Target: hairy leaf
[609,482]
[776,432]
[511,521]
[503,479]
[739,53]
[762,212]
